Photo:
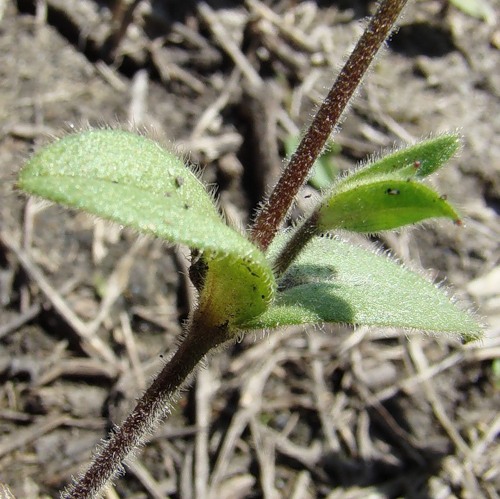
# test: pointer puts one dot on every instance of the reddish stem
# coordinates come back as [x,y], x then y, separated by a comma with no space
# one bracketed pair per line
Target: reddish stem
[274,211]
[296,244]
[151,409]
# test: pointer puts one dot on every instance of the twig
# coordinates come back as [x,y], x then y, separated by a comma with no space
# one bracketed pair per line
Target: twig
[139,97]
[404,439]
[91,343]
[204,391]
[169,70]
[264,448]
[224,39]
[322,396]
[309,457]
[28,435]
[116,284]
[420,361]
[301,487]
[294,34]
[251,395]
[144,476]
[131,347]
[81,368]
[410,383]
[20,320]
[214,109]
[418,357]
[186,480]
[489,437]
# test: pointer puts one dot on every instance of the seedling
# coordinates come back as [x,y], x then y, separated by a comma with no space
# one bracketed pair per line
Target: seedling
[272,277]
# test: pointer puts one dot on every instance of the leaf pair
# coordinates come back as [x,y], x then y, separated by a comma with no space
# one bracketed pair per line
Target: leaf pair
[388,193]
[131,180]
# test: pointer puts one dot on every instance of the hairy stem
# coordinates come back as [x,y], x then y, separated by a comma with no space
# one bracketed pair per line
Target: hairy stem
[274,211]
[151,409]
[295,244]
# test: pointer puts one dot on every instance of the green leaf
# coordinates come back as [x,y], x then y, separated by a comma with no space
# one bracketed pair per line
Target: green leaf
[236,290]
[133,181]
[130,180]
[417,161]
[336,282]
[382,205]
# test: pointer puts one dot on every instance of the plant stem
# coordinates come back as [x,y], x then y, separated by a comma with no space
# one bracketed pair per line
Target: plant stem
[295,244]
[151,409]
[274,211]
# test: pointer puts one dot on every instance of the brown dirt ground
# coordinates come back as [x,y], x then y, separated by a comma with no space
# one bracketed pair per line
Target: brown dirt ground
[331,413]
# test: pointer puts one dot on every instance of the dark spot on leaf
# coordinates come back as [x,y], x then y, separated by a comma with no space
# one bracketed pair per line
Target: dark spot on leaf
[417,164]
[444,197]
[263,297]
[179,181]
[168,194]
[392,192]
[186,206]
[250,270]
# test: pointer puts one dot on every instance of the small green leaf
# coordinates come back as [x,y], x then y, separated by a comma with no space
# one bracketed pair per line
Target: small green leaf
[417,161]
[131,180]
[382,205]
[335,282]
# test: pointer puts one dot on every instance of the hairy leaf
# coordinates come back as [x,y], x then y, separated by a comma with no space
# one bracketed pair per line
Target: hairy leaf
[413,162]
[133,181]
[382,205]
[332,281]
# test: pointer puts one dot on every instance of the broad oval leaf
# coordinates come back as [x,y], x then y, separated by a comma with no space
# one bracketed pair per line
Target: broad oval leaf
[132,180]
[382,205]
[335,282]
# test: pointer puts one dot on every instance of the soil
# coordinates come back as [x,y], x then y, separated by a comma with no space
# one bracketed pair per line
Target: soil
[89,311]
